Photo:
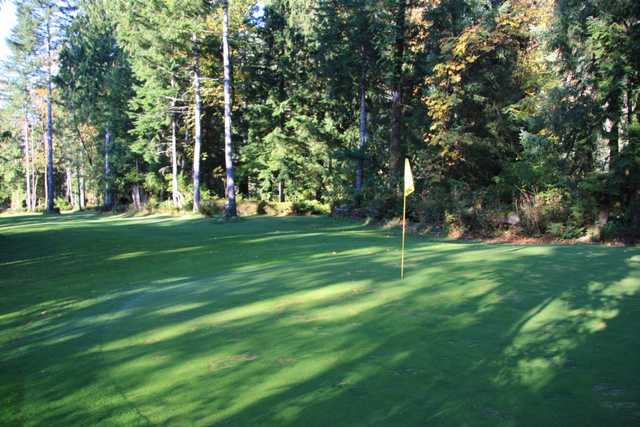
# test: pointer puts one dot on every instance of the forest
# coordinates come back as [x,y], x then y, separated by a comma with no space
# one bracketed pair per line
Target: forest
[518,116]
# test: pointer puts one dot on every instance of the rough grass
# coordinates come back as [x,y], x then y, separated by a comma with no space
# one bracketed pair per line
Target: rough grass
[303,321]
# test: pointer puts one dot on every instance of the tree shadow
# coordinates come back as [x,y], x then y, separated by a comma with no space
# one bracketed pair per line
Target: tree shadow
[304,322]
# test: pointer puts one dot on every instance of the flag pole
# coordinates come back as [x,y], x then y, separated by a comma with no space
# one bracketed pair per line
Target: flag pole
[408,189]
[404,227]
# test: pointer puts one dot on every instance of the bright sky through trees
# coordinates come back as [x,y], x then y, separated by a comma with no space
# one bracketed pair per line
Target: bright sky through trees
[7,21]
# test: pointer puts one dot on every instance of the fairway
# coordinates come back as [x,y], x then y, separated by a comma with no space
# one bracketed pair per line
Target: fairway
[303,321]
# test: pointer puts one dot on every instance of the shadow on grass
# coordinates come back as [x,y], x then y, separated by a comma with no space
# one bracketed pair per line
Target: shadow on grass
[302,321]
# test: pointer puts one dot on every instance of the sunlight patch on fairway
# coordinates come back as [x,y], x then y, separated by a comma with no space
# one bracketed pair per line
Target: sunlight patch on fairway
[261,308]
[138,254]
[181,250]
[275,383]
[541,344]
[347,308]
[127,255]
[170,280]
[179,308]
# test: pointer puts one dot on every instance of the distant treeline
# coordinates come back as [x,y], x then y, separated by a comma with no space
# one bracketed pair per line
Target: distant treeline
[517,114]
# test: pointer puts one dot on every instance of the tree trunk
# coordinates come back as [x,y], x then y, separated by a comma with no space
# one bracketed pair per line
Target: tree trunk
[281,197]
[135,190]
[626,117]
[69,185]
[611,128]
[135,196]
[107,170]
[46,189]
[34,202]
[27,164]
[78,203]
[50,189]
[83,198]
[363,134]
[175,192]
[228,152]
[34,173]
[197,132]
[395,149]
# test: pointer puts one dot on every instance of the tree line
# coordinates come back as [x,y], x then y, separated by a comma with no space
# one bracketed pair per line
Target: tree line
[514,113]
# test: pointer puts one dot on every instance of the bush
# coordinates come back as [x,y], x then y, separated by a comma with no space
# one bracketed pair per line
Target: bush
[619,231]
[309,207]
[573,232]
[210,208]
[431,211]
[539,210]
[247,207]
[262,207]
[63,204]
[277,208]
[387,206]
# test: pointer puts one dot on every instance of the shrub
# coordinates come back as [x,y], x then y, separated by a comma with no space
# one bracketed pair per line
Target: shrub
[431,211]
[247,207]
[210,208]
[262,207]
[63,204]
[539,210]
[279,208]
[309,207]
[573,232]
[386,206]
[618,230]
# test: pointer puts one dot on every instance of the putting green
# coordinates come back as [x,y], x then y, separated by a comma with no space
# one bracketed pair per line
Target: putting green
[304,321]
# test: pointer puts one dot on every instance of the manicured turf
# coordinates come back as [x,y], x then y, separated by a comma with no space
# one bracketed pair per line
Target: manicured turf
[303,321]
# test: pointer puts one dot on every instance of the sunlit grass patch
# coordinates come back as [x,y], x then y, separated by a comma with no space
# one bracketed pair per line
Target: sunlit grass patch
[304,321]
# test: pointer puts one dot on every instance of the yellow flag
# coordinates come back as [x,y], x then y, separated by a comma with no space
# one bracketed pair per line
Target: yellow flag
[408,179]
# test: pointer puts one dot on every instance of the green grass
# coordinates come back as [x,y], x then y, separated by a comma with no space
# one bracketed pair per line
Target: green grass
[303,321]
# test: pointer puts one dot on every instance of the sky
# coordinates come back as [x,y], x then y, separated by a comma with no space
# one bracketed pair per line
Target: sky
[7,19]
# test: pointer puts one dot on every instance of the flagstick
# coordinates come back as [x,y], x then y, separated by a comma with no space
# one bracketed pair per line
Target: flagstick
[404,226]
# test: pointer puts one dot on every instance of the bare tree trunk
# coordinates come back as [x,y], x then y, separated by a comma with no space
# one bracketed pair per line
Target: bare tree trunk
[69,185]
[625,118]
[281,197]
[611,128]
[27,163]
[197,132]
[395,149]
[81,189]
[135,190]
[107,171]
[181,162]
[34,174]
[135,196]
[78,202]
[34,203]
[175,192]
[49,180]
[46,189]
[228,148]
[363,134]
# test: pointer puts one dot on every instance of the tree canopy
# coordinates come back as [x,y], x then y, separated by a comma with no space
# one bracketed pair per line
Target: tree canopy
[519,108]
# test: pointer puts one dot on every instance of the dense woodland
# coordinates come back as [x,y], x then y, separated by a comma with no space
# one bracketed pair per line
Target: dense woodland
[520,115]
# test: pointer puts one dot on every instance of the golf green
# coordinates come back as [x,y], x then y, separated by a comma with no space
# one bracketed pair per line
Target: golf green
[114,320]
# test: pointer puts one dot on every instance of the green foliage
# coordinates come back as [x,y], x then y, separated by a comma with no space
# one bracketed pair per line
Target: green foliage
[500,106]
[211,208]
[312,207]
[63,204]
